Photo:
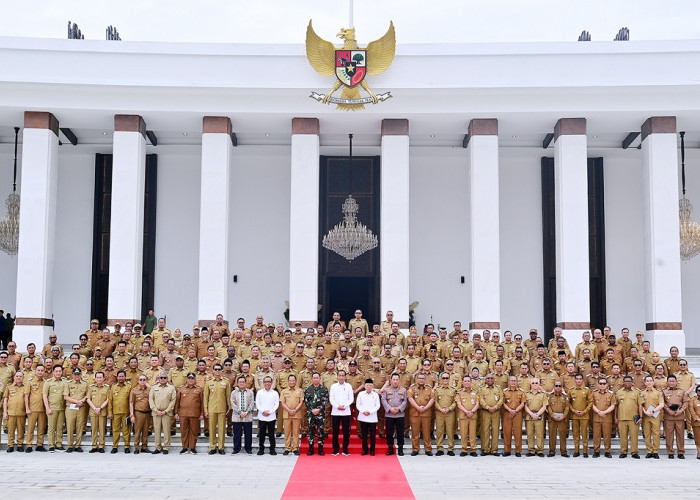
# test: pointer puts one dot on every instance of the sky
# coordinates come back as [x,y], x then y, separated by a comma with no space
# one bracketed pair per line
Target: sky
[417,21]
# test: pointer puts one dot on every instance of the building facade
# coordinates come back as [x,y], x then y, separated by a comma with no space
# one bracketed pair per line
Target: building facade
[495,179]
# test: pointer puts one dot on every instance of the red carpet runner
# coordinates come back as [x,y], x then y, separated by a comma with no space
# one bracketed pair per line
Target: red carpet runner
[343,477]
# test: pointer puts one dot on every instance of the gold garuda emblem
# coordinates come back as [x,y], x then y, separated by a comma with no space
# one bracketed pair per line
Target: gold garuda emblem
[350,65]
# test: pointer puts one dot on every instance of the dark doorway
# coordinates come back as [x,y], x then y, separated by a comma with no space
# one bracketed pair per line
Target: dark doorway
[102,230]
[348,285]
[345,295]
[596,245]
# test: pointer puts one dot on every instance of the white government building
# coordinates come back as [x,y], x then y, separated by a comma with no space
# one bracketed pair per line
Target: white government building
[204,178]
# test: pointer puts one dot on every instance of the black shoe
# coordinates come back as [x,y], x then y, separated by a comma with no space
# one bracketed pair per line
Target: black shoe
[145,450]
[635,455]
[371,453]
[649,455]
[656,456]
[550,454]
[483,453]
[127,450]
[213,452]
[68,450]
[671,456]
[463,454]
[428,453]
[414,453]
[12,448]
[400,453]
[94,450]
[222,452]
[390,452]
[60,448]
[40,448]
[577,454]
[596,454]
[451,453]
[623,455]
[279,434]
[310,452]
[681,456]
[541,455]
[183,451]
[608,455]
[20,448]
[335,453]
[613,435]
[296,453]
[518,455]
[52,448]
[272,452]
[114,450]
[473,454]
[165,452]
[78,450]
[441,453]
[194,452]
[506,453]
[229,433]
[690,435]
[155,452]
[364,453]
[320,451]
[530,454]
[29,450]
[136,451]
[565,455]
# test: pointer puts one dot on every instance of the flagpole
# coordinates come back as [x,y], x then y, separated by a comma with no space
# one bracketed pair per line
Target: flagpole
[351,20]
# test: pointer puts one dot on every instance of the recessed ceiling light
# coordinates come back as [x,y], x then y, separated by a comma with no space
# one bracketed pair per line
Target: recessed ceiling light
[433,136]
[184,133]
[104,133]
[595,136]
[267,134]
[514,136]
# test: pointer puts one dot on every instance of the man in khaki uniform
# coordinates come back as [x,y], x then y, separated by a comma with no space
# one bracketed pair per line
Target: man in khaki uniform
[282,384]
[75,393]
[55,407]
[14,412]
[603,406]
[445,405]
[675,403]
[535,406]
[514,401]
[558,410]
[118,412]
[490,403]
[161,399]
[217,396]
[420,397]
[627,417]
[652,404]
[291,401]
[581,402]
[139,413]
[189,410]
[98,399]
[36,413]
[467,400]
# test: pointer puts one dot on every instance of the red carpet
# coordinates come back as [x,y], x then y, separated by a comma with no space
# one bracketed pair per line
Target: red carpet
[343,477]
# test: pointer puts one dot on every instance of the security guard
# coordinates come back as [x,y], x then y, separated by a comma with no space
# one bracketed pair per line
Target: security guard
[98,399]
[75,393]
[445,405]
[490,403]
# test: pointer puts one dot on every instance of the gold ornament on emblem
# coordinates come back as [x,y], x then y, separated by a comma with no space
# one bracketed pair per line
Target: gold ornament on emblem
[350,64]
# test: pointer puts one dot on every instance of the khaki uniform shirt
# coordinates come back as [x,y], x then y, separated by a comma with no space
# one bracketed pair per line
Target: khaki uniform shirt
[292,398]
[513,399]
[178,377]
[54,393]
[190,402]
[138,396]
[675,397]
[444,398]
[627,403]
[217,394]
[76,390]
[581,399]
[119,399]
[468,399]
[535,401]
[558,403]
[490,397]
[603,401]
[98,395]
[35,391]
[162,398]
[14,400]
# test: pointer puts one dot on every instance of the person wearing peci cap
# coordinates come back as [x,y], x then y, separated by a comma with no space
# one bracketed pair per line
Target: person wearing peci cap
[367,406]
[189,410]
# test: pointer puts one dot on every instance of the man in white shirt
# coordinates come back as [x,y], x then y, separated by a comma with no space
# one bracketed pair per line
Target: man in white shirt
[341,397]
[367,406]
[267,402]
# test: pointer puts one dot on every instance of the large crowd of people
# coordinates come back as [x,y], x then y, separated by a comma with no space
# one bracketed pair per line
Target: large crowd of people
[220,379]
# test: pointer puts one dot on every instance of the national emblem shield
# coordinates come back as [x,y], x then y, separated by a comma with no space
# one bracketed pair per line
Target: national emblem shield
[350,66]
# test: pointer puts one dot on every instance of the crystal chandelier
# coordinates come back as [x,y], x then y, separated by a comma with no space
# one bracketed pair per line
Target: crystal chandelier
[350,238]
[9,225]
[690,231]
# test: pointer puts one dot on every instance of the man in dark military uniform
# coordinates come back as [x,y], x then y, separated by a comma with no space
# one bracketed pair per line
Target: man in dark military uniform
[316,399]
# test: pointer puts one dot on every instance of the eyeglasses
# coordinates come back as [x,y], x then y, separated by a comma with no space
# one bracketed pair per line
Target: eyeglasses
[557,385]
[445,378]
[163,378]
[217,369]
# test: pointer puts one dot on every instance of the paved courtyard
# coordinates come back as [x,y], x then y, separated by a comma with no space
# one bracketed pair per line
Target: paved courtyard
[208,477]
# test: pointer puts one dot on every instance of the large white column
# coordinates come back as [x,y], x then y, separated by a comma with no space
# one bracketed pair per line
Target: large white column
[213,217]
[571,219]
[126,236]
[37,223]
[485,230]
[303,223]
[661,234]
[393,239]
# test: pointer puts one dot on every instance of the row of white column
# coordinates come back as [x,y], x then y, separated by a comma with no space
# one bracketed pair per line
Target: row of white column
[662,260]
